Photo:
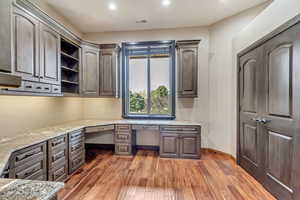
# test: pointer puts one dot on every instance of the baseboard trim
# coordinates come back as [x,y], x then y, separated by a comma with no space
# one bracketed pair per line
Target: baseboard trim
[147,147]
[214,151]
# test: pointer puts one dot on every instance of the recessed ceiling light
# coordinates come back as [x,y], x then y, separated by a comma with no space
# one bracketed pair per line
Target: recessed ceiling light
[166,3]
[143,21]
[112,6]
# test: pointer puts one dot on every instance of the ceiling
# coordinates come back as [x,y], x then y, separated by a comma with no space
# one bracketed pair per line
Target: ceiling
[95,16]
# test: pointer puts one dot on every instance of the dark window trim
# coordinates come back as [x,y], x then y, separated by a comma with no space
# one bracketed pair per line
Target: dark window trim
[125,114]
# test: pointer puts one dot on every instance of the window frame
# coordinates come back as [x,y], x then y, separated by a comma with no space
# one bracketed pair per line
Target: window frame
[125,80]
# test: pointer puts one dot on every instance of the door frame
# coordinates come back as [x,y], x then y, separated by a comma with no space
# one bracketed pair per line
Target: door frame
[256,44]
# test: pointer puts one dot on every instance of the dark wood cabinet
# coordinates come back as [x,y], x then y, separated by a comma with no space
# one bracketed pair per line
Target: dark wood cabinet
[269,140]
[90,71]
[29,163]
[180,142]
[109,70]
[169,145]
[187,65]
[58,158]
[49,55]
[76,150]
[26,45]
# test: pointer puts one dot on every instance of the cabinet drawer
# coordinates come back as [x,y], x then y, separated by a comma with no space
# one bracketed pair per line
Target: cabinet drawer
[123,149]
[28,154]
[123,137]
[29,86]
[180,128]
[76,146]
[123,127]
[75,135]
[56,89]
[99,128]
[58,156]
[31,171]
[145,127]
[59,142]
[75,163]
[58,173]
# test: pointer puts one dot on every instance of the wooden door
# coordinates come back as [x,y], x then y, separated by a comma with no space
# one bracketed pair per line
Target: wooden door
[49,55]
[26,63]
[251,141]
[169,145]
[281,114]
[189,146]
[108,72]
[187,54]
[90,72]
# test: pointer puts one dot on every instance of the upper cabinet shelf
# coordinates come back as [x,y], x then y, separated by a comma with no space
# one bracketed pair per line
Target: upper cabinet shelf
[67,56]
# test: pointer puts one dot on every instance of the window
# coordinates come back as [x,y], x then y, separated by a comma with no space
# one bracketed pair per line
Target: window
[149,80]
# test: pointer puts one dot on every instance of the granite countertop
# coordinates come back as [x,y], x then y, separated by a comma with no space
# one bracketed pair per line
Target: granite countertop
[39,190]
[28,190]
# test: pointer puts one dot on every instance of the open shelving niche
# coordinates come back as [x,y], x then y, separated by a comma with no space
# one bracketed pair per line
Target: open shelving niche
[70,62]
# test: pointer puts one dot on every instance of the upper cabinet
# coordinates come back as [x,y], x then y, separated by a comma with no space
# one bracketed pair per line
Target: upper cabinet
[26,49]
[90,71]
[49,55]
[187,55]
[109,70]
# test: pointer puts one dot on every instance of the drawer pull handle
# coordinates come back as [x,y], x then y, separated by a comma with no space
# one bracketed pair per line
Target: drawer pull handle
[47,88]
[38,88]
[55,89]
[28,86]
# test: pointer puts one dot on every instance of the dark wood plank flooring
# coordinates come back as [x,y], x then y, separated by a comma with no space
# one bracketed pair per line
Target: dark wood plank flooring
[148,177]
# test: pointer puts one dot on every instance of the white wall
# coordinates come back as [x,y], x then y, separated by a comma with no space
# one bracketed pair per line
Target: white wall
[276,14]
[220,79]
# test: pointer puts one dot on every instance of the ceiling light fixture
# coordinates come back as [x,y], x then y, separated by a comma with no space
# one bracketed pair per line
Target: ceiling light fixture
[166,3]
[112,6]
[143,21]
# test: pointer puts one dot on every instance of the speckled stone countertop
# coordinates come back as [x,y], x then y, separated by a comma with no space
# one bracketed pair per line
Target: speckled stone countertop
[14,189]
[28,190]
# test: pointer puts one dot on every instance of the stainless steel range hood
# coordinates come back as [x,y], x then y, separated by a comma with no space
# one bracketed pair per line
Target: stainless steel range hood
[9,80]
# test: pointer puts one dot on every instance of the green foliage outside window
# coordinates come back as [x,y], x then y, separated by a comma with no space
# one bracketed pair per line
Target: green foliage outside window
[159,101]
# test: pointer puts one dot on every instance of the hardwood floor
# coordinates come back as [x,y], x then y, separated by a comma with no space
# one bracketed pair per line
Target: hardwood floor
[148,177]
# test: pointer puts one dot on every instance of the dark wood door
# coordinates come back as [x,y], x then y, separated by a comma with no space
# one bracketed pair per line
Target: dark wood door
[189,146]
[281,114]
[251,140]
[169,145]
[49,55]
[26,61]
[108,73]
[90,72]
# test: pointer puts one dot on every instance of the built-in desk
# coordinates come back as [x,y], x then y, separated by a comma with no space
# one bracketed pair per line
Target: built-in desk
[175,141]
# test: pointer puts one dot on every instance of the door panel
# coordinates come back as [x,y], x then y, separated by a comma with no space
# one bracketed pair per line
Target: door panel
[251,142]
[107,73]
[90,72]
[169,146]
[189,146]
[25,46]
[49,55]
[282,110]
[280,80]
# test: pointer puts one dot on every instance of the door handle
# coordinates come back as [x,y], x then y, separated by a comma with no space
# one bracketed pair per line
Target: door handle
[265,121]
[256,120]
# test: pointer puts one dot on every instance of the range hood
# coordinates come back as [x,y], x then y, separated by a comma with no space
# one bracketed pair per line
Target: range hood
[9,80]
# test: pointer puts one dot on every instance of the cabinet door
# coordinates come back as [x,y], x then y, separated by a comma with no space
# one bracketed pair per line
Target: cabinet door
[90,72]
[187,54]
[108,64]
[189,146]
[49,55]
[169,145]
[25,45]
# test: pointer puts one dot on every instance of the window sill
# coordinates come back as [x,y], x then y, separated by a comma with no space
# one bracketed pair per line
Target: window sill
[153,117]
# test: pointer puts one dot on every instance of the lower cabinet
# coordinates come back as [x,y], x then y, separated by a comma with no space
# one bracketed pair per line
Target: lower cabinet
[29,163]
[58,158]
[76,150]
[177,142]
[124,140]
